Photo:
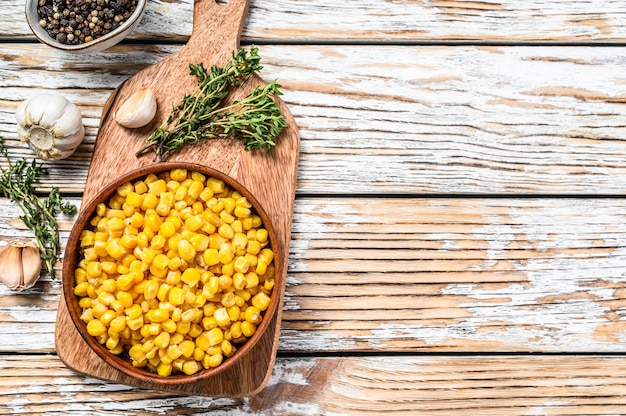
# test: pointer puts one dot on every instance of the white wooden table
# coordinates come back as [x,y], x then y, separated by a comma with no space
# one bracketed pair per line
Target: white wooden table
[459,234]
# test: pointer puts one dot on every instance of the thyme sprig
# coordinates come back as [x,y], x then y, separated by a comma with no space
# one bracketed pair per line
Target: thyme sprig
[256,120]
[16,183]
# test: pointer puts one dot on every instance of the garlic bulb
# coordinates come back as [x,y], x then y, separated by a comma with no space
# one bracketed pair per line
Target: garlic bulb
[138,110]
[51,125]
[20,265]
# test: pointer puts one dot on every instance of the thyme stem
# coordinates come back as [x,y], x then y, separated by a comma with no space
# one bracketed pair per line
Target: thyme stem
[256,120]
[16,183]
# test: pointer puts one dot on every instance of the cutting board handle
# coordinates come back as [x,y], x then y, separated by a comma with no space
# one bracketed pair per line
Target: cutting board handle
[219,21]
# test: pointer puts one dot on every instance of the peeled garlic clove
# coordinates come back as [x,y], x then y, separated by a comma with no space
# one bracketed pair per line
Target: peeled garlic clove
[20,265]
[138,110]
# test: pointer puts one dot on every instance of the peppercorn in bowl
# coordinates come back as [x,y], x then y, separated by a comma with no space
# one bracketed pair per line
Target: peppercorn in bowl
[169,272]
[83,26]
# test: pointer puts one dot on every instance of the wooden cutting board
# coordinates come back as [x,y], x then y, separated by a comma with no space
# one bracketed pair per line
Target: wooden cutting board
[269,176]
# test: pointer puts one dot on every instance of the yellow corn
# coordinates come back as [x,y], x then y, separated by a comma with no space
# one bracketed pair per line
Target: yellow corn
[157,187]
[213,360]
[176,296]
[170,326]
[248,329]
[150,201]
[178,175]
[261,301]
[95,328]
[164,369]
[178,264]
[162,340]
[191,276]
[186,250]
[158,315]
[252,315]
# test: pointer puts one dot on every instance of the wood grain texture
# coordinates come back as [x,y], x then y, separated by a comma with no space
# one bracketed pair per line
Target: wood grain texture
[406,385]
[430,275]
[306,21]
[467,120]
[517,107]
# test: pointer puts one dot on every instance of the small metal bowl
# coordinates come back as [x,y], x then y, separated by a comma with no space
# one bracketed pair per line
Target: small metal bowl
[72,257]
[99,44]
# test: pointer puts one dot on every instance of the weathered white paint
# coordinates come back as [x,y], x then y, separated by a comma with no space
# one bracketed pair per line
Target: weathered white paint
[441,120]
[377,274]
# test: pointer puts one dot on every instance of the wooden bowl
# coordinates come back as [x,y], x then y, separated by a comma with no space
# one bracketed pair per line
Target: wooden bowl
[71,260]
[99,44]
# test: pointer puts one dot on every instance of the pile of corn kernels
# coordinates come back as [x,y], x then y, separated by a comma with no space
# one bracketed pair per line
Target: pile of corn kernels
[176,272]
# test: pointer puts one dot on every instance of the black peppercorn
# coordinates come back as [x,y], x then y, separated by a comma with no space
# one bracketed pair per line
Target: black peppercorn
[75,16]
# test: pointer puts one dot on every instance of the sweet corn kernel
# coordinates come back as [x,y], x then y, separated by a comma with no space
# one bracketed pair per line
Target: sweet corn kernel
[226,231]
[179,174]
[157,187]
[170,326]
[162,340]
[117,324]
[191,276]
[225,253]
[141,187]
[253,315]
[227,348]
[94,269]
[233,312]
[216,185]
[261,301]
[213,360]
[200,241]
[134,199]
[253,247]
[164,369]
[242,212]
[87,238]
[221,316]
[176,296]
[227,218]
[167,229]
[248,329]
[81,289]
[261,267]
[95,328]
[174,352]
[190,315]
[186,250]
[150,201]
[158,242]
[158,315]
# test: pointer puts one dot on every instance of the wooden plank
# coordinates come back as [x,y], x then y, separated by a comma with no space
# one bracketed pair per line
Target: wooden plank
[398,385]
[162,19]
[433,275]
[308,21]
[466,120]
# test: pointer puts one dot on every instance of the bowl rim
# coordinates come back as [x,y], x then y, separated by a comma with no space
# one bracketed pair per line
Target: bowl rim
[32,18]
[70,262]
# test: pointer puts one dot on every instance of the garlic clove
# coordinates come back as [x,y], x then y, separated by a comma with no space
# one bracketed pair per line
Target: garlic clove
[11,273]
[20,265]
[44,109]
[31,265]
[138,110]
